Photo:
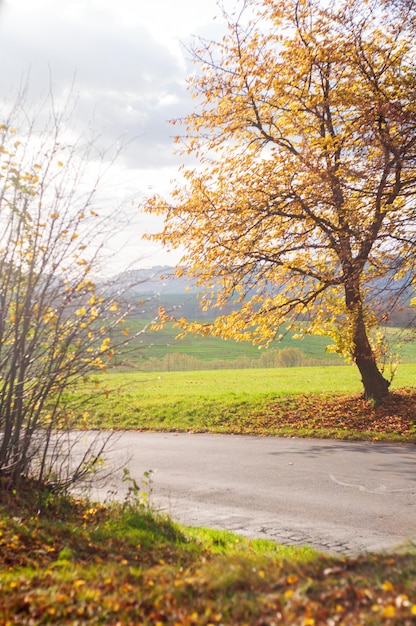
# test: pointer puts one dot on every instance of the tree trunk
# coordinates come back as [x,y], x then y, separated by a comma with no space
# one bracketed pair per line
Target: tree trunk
[376,387]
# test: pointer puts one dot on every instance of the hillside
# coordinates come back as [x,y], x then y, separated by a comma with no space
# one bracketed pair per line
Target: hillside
[159,286]
[157,280]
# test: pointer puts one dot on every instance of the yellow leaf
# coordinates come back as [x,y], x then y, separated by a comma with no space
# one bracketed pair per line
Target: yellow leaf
[389,611]
[292,579]
[60,164]
[105,344]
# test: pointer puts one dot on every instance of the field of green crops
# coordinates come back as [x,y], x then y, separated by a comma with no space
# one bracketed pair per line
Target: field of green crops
[162,351]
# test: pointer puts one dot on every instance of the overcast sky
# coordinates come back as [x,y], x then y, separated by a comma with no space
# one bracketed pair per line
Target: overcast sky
[128,64]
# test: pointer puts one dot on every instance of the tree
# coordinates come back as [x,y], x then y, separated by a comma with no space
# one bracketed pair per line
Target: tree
[303,200]
[55,321]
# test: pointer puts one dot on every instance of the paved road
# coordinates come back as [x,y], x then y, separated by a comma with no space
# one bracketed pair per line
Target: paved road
[341,497]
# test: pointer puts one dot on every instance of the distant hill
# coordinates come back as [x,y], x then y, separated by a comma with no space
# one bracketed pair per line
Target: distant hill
[152,281]
[159,286]
[150,288]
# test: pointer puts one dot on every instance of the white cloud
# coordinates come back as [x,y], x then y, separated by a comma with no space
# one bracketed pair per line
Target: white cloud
[126,62]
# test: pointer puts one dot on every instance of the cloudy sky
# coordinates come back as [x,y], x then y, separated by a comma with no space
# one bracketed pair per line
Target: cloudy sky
[128,65]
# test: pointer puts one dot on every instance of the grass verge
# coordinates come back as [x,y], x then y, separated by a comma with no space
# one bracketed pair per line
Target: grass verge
[73,562]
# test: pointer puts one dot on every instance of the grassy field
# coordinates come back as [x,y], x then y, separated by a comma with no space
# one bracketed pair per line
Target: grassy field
[160,350]
[308,401]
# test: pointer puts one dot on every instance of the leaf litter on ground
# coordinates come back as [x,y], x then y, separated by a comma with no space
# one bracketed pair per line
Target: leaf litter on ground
[76,562]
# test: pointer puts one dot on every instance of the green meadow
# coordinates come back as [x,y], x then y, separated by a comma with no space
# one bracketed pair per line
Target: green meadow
[315,401]
[161,350]
[244,384]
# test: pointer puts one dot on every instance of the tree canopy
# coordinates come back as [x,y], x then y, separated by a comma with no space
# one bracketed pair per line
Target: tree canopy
[303,200]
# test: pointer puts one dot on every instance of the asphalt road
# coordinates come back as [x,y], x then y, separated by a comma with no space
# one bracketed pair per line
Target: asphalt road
[341,497]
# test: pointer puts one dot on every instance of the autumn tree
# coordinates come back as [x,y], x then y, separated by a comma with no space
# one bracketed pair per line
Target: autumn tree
[303,201]
[55,320]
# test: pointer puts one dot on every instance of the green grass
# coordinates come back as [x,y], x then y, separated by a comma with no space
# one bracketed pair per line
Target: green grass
[158,343]
[157,350]
[244,384]
[87,564]
[310,401]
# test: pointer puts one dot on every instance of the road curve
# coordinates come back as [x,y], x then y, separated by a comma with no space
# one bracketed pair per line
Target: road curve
[338,496]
